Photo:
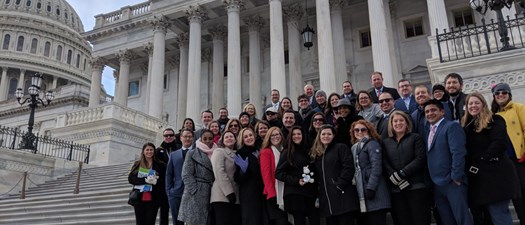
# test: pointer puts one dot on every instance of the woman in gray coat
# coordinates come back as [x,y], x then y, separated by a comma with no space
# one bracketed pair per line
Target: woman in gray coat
[372,188]
[197,175]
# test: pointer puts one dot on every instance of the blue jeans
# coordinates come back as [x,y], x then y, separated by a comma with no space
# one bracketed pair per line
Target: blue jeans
[500,213]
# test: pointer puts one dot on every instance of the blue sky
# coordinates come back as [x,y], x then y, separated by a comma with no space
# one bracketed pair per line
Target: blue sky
[87,9]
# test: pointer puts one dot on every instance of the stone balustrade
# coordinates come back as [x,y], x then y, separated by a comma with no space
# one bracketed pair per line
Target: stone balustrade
[124,13]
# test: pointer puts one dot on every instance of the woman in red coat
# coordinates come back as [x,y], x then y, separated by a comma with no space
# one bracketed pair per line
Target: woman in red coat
[273,188]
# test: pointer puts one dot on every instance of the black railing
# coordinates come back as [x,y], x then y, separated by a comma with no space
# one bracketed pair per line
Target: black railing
[13,138]
[472,40]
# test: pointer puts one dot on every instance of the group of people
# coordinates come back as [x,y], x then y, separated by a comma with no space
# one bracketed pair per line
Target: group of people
[348,158]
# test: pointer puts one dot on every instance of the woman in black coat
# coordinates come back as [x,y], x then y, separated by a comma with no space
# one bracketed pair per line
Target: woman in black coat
[248,176]
[346,117]
[493,181]
[405,164]
[148,206]
[338,200]
[299,196]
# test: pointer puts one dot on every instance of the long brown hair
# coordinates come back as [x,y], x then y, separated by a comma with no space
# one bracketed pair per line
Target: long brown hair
[142,162]
[267,143]
[372,133]
[319,148]
[483,119]
[292,147]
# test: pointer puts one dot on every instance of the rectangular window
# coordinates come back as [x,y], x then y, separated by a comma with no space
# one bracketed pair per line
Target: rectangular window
[414,27]
[286,57]
[365,38]
[134,88]
[463,17]
[165,82]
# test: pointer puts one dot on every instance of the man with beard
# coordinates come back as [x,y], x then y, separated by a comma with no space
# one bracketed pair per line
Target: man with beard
[456,103]
[320,98]
[223,118]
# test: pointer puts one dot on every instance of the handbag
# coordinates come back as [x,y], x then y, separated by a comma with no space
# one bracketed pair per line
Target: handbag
[134,197]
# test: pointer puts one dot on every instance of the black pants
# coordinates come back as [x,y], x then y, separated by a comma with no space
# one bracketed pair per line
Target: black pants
[146,213]
[411,207]
[164,214]
[519,203]
[343,219]
[377,217]
[226,213]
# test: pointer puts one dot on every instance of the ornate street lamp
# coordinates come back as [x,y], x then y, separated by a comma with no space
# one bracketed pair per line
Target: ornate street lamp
[308,32]
[482,6]
[33,100]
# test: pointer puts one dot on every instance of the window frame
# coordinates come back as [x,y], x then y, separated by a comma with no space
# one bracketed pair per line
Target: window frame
[138,88]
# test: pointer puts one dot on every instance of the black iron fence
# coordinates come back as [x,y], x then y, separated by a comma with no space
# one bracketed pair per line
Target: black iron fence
[13,138]
[473,40]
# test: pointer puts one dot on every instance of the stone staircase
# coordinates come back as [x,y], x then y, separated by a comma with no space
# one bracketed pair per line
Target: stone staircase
[102,200]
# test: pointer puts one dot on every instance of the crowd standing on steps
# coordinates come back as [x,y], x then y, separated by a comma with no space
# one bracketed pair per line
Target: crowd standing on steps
[414,152]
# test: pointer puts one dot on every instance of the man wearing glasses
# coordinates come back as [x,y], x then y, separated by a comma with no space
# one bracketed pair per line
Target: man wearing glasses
[386,102]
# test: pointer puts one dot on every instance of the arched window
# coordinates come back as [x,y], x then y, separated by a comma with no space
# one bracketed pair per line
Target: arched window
[20,44]
[13,84]
[58,11]
[39,5]
[48,7]
[69,56]
[34,45]
[7,1]
[78,60]
[17,2]
[72,18]
[65,14]
[7,39]
[28,3]
[59,53]
[47,48]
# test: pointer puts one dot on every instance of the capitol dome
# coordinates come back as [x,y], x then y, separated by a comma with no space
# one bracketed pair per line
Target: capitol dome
[41,36]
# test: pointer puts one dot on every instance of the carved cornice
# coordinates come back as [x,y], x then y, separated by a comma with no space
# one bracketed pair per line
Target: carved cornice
[182,39]
[125,55]
[254,23]
[97,63]
[196,14]
[160,24]
[103,133]
[113,29]
[293,12]
[482,84]
[233,4]
[218,32]
[148,48]
[336,4]
[206,55]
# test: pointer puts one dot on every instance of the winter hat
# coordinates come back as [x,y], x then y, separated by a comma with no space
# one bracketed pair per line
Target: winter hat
[244,113]
[320,92]
[501,87]
[438,87]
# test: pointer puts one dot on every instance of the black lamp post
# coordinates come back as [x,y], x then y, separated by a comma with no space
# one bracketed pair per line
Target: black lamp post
[308,32]
[33,100]
[482,6]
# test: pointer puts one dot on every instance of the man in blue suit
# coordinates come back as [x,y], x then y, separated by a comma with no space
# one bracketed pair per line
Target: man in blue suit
[407,102]
[174,184]
[446,164]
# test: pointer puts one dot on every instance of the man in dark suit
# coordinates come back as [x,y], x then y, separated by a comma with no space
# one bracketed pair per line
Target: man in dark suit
[407,102]
[174,184]
[276,96]
[348,93]
[386,102]
[378,88]
[446,164]
[456,102]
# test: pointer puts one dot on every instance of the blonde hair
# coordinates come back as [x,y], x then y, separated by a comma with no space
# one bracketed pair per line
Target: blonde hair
[240,139]
[372,133]
[408,121]
[484,117]
[267,143]
[254,108]
[319,148]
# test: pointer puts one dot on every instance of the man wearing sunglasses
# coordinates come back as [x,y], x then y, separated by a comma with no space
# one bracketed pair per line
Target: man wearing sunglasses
[386,103]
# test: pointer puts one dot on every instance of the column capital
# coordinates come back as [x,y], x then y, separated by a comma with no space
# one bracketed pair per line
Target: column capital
[254,23]
[148,48]
[206,55]
[337,4]
[233,4]
[97,63]
[196,14]
[182,39]
[160,24]
[22,71]
[218,32]
[125,55]
[293,12]
[5,68]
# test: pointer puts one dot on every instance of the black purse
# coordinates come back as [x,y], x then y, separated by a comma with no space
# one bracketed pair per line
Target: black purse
[134,197]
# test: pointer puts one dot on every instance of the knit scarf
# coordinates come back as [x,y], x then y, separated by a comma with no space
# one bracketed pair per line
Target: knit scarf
[279,185]
[204,148]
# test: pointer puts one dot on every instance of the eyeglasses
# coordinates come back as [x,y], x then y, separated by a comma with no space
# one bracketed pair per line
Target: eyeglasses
[318,119]
[360,130]
[501,93]
[387,100]
[169,135]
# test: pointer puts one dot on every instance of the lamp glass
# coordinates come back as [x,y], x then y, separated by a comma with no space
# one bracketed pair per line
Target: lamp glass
[33,90]
[36,80]
[50,96]
[308,34]
[19,93]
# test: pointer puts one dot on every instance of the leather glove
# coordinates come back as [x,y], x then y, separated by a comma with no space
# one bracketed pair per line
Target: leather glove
[370,194]
[273,200]
[242,163]
[151,180]
[231,198]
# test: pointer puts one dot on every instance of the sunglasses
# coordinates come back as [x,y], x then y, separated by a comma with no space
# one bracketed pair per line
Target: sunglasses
[318,119]
[360,130]
[169,135]
[501,93]
[387,100]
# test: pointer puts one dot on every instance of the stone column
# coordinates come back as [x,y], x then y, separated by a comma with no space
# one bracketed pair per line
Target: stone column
[125,57]
[234,95]
[383,62]
[326,47]
[97,65]
[160,26]
[254,24]
[148,49]
[437,15]
[21,80]
[293,14]
[55,82]
[195,15]
[182,41]
[277,70]
[218,33]
[4,84]
[338,39]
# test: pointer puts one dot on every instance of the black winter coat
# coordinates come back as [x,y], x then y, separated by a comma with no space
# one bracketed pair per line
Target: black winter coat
[158,193]
[343,127]
[496,179]
[335,171]
[291,173]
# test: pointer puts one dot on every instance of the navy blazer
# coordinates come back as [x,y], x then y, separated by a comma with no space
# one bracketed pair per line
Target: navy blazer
[392,92]
[174,184]
[400,105]
[446,155]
